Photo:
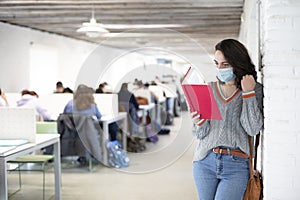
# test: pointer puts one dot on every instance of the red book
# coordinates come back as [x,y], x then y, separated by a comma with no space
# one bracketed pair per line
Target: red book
[200,98]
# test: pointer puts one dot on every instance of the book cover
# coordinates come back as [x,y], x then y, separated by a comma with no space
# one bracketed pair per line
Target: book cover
[200,96]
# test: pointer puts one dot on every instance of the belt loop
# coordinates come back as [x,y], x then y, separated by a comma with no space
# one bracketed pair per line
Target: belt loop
[228,151]
[220,150]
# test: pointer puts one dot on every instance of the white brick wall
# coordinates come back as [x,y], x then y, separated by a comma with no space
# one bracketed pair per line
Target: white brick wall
[281,59]
[280,39]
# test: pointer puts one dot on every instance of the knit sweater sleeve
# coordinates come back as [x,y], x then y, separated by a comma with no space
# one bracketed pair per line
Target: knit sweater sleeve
[202,128]
[251,116]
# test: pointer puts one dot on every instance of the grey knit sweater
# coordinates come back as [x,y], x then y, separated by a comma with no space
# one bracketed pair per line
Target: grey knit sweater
[242,116]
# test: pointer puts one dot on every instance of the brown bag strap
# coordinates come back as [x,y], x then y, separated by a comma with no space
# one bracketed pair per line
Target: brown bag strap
[250,157]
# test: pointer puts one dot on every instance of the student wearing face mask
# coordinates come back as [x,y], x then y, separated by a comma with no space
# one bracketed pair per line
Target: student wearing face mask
[221,161]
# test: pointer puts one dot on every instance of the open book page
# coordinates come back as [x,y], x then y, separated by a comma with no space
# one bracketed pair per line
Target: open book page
[200,96]
[192,76]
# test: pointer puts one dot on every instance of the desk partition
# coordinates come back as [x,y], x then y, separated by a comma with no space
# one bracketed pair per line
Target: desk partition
[107,104]
[55,103]
[20,123]
[17,123]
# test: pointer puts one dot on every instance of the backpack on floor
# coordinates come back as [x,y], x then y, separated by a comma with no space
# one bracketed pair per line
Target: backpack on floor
[117,157]
[136,144]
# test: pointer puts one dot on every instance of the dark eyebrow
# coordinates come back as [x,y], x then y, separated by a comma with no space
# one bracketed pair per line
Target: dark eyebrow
[221,62]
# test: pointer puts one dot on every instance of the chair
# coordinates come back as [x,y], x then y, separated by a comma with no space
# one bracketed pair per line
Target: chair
[79,136]
[35,159]
[46,127]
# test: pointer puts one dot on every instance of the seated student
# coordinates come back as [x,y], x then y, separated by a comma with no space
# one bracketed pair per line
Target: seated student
[67,90]
[3,100]
[107,88]
[128,102]
[84,103]
[29,99]
[99,90]
[59,87]
[154,99]
[145,97]
[142,94]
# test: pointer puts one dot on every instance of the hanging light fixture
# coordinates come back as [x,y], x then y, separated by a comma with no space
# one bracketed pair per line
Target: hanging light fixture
[92,29]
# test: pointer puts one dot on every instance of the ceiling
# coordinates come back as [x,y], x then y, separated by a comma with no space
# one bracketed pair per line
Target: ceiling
[179,24]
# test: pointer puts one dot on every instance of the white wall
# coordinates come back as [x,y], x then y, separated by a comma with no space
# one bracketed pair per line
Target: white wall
[249,30]
[15,48]
[281,53]
[280,30]
[75,62]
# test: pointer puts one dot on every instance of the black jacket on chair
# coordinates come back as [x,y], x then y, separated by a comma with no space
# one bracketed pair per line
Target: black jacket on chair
[79,135]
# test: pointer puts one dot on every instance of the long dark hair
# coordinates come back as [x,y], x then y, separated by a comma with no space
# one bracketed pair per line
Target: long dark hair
[237,56]
[83,97]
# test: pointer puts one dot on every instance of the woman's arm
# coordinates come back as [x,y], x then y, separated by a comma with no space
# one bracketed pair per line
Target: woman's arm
[43,112]
[68,107]
[202,125]
[251,116]
[3,96]
[97,112]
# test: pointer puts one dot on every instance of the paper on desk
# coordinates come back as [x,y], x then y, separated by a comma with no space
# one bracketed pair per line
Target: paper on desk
[200,96]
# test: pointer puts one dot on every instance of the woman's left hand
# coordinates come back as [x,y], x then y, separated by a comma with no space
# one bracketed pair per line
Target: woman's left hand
[248,83]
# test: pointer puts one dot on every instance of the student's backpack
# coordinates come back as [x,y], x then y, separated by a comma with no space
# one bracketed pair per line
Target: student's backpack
[135,144]
[117,157]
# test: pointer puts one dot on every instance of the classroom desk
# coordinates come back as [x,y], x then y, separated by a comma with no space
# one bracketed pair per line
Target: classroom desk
[106,120]
[42,140]
[145,109]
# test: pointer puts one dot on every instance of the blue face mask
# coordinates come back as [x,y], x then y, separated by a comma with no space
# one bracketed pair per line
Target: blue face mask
[225,74]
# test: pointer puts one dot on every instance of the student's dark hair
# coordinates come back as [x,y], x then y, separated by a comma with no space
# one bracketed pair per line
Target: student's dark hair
[147,85]
[101,85]
[59,84]
[237,56]
[32,93]
[67,90]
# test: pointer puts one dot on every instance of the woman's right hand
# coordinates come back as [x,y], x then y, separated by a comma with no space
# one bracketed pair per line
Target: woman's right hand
[195,117]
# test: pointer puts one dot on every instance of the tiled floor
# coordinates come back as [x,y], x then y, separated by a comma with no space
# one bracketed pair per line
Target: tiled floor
[162,172]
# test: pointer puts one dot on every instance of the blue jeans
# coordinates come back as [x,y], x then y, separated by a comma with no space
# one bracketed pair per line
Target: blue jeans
[221,177]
